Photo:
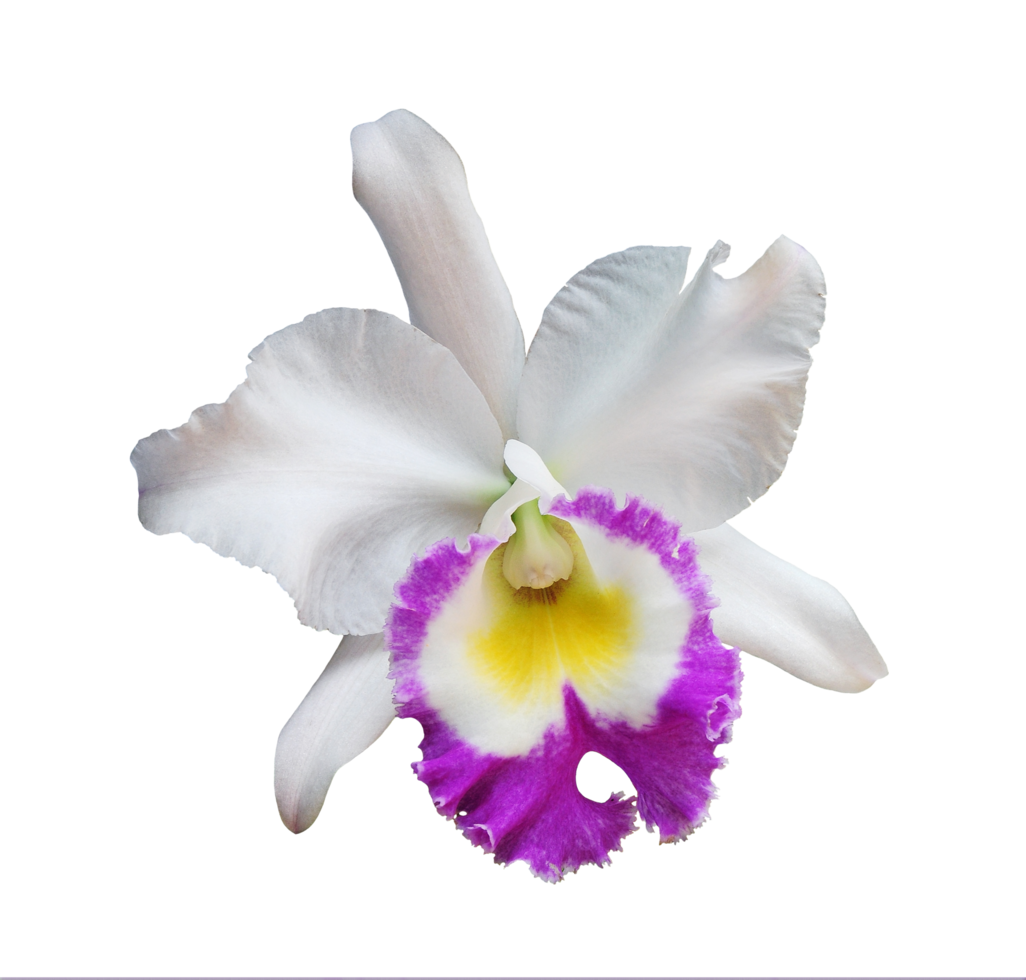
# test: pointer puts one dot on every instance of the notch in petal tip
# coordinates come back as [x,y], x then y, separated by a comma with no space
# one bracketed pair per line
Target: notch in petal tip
[719,253]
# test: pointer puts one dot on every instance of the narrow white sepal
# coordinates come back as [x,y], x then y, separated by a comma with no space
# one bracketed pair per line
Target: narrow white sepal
[348,707]
[410,181]
[775,611]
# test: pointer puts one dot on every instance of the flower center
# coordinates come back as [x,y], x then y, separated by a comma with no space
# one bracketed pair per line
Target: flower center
[573,630]
[536,555]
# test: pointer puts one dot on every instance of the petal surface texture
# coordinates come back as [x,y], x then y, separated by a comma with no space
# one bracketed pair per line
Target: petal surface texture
[514,686]
[689,398]
[354,442]
[412,184]
[775,611]
[345,711]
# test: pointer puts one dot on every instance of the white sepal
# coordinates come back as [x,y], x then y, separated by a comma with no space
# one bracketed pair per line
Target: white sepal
[348,707]
[773,610]
[412,184]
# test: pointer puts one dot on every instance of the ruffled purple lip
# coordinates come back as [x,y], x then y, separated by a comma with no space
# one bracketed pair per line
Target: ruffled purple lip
[528,808]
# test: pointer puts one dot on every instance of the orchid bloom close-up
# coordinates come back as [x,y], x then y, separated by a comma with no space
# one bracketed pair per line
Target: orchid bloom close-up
[527,554]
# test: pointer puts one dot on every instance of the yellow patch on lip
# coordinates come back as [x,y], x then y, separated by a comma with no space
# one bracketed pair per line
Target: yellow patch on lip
[575,630]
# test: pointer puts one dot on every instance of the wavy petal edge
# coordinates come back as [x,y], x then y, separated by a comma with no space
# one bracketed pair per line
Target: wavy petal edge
[528,808]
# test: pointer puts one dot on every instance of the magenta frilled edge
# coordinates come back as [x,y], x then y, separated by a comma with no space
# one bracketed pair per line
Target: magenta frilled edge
[528,807]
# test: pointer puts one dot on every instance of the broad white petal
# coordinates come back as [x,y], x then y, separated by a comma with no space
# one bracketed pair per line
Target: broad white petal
[355,442]
[345,711]
[691,398]
[412,184]
[775,611]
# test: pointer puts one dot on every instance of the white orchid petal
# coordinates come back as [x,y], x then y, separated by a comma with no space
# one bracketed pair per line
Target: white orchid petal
[775,611]
[348,707]
[525,464]
[689,398]
[355,442]
[412,184]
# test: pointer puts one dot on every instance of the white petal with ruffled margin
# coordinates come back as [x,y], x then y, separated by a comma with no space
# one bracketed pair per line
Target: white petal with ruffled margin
[412,184]
[690,399]
[773,610]
[348,707]
[355,442]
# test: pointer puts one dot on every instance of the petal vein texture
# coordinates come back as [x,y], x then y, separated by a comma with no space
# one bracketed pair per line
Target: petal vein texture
[689,398]
[412,184]
[355,442]
[775,611]
[345,711]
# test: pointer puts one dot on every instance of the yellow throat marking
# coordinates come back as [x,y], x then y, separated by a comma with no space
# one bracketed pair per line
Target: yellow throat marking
[574,630]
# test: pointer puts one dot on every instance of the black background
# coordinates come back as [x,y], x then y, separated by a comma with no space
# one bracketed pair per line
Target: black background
[854,834]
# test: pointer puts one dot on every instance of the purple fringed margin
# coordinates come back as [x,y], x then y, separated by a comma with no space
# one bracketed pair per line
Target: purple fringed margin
[528,808]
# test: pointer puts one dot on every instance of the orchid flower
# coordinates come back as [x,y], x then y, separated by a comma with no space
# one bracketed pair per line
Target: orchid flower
[528,555]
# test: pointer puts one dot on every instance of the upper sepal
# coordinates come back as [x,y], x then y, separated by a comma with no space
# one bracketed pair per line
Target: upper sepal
[412,184]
